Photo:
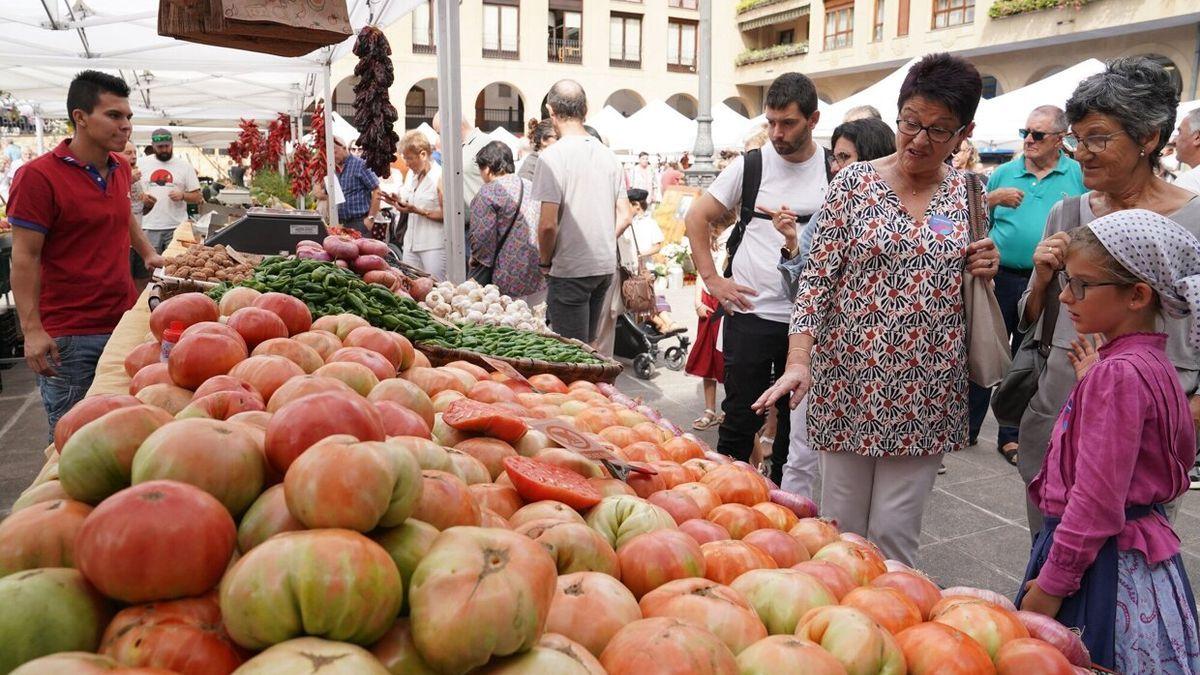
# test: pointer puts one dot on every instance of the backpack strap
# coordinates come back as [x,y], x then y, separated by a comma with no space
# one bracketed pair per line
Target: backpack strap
[751,179]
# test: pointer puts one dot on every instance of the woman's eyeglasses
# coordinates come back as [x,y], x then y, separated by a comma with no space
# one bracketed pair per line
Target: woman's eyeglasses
[843,157]
[1094,143]
[936,134]
[1079,286]
[1038,136]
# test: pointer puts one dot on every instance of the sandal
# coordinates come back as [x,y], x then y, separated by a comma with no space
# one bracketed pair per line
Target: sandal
[706,421]
[1009,453]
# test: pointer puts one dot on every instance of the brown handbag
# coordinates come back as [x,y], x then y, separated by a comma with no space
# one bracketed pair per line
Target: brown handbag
[637,288]
[988,353]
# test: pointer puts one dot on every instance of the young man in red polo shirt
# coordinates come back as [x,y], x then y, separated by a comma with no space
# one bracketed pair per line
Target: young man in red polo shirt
[72,230]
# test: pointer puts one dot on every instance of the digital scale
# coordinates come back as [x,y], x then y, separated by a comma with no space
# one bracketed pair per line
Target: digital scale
[270,231]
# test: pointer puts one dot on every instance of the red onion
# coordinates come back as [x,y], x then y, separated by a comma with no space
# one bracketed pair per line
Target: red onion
[668,425]
[803,507]
[714,456]
[368,246]
[308,242]
[649,412]
[622,399]
[1062,638]
[420,287]
[307,253]
[983,594]
[607,389]
[340,247]
[342,264]
[367,263]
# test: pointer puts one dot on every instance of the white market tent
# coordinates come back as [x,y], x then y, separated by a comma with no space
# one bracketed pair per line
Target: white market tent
[658,129]
[729,127]
[611,124]
[997,123]
[506,137]
[883,95]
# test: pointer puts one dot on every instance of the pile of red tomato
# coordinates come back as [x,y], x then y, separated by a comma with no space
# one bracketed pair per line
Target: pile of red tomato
[290,496]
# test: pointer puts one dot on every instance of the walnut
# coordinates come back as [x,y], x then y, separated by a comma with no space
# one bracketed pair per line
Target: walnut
[183,271]
[201,274]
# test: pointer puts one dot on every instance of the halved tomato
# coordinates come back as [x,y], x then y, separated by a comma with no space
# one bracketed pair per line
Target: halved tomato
[486,419]
[536,481]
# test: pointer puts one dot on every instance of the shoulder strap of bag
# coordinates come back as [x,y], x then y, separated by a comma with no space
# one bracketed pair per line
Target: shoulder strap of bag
[829,172]
[1071,220]
[512,223]
[975,207]
[751,179]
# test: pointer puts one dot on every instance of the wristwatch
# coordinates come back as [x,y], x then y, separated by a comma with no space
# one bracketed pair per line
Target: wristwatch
[789,253]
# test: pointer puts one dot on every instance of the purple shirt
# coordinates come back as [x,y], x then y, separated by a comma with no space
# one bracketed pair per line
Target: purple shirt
[1124,438]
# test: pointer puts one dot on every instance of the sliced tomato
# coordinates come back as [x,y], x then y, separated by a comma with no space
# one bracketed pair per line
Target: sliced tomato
[465,414]
[536,481]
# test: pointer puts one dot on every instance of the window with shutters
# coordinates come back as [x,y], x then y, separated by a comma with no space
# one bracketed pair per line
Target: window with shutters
[681,46]
[948,13]
[877,32]
[500,33]
[423,29]
[839,27]
[683,4]
[625,41]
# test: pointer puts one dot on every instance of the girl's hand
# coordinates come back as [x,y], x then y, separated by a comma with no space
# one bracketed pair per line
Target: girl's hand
[1037,600]
[983,260]
[1085,353]
[796,381]
[703,311]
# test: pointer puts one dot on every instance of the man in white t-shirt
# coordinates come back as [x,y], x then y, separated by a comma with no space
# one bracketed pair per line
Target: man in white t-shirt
[173,184]
[757,306]
[1187,146]
[584,208]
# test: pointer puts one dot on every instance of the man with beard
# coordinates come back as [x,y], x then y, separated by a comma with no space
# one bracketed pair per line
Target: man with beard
[778,188]
[173,184]
[72,230]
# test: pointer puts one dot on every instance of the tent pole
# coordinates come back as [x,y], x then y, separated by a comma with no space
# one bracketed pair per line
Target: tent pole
[330,170]
[300,203]
[40,130]
[450,100]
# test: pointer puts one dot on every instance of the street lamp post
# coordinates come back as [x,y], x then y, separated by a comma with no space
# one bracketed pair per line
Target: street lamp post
[703,172]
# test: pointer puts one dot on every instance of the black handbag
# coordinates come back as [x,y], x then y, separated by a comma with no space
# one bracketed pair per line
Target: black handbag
[482,274]
[1011,397]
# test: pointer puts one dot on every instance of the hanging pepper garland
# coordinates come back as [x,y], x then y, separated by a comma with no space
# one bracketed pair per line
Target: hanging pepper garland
[279,132]
[375,117]
[249,145]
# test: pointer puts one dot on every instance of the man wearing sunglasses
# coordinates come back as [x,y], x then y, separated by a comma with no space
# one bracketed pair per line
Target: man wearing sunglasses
[1020,195]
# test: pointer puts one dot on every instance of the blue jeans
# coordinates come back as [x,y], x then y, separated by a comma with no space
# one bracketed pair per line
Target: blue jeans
[1010,285]
[77,355]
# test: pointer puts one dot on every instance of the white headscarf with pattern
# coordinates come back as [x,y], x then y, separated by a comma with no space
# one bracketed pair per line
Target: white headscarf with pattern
[1159,252]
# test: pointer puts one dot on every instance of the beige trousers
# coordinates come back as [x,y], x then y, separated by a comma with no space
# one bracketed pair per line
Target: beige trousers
[880,498]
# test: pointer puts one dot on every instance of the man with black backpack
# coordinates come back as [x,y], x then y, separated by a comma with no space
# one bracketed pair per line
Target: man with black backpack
[781,185]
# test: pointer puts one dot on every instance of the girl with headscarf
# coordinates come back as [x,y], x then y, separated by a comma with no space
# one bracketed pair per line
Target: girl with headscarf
[1107,559]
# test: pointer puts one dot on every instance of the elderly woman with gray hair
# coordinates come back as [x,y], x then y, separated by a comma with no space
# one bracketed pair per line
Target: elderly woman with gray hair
[1120,121]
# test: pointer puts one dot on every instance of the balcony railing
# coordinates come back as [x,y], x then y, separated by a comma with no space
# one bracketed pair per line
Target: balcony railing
[509,118]
[414,115]
[1003,8]
[681,67]
[424,49]
[346,110]
[625,63]
[509,55]
[564,50]
[771,53]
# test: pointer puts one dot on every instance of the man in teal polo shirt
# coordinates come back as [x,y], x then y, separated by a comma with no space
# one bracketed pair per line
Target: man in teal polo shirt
[1020,195]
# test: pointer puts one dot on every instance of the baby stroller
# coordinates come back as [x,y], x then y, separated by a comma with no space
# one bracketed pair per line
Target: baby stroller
[638,341]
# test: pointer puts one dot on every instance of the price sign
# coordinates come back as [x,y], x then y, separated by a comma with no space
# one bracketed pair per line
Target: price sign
[506,369]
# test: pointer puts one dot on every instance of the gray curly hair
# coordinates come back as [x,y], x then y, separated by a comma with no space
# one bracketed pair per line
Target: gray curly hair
[1135,91]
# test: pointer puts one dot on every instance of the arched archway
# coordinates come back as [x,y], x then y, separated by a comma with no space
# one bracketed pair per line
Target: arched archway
[1171,68]
[343,98]
[685,105]
[737,105]
[420,103]
[500,104]
[1044,72]
[626,101]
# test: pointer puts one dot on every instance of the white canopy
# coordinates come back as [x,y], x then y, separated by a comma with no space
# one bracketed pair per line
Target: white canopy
[657,128]
[997,122]
[611,124]
[882,95]
[729,127]
[506,137]
[172,80]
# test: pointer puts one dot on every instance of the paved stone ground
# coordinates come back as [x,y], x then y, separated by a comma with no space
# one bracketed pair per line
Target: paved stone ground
[974,527]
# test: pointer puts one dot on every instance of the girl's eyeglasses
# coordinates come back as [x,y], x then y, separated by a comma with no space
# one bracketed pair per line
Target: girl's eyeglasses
[1079,286]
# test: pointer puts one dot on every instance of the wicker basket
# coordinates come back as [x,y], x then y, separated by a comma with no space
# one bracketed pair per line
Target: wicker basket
[567,372]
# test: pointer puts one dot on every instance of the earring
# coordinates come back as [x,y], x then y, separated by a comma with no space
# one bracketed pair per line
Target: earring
[1141,153]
